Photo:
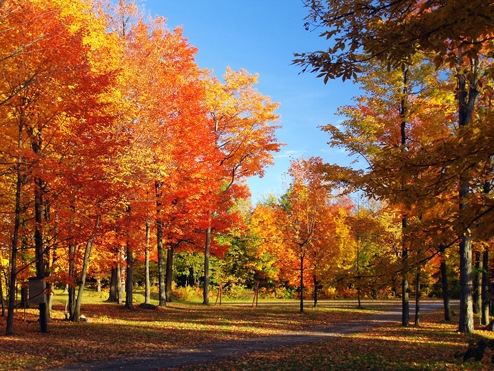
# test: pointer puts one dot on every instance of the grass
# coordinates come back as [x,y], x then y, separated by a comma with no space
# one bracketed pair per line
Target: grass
[114,332]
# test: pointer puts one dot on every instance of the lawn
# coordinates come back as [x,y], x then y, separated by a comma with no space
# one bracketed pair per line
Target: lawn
[115,332]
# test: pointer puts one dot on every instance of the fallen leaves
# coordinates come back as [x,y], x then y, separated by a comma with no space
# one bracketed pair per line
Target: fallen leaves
[429,347]
[115,331]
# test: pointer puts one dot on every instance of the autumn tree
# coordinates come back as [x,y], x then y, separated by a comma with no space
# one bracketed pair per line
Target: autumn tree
[376,242]
[305,228]
[359,32]
[242,121]
[162,114]
[398,114]
[46,112]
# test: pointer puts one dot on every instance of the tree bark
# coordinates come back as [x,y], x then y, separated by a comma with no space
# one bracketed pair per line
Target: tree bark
[114,293]
[359,301]
[405,301]
[207,249]
[38,244]
[72,278]
[24,296]
[161,275]
[159,243]
[485,289]
[129,279]
[49,302]
[169,271]
[466,103]
[49,266]
[405,315]
[1,296]
[87,256]
[477,303]
[119,277]
[445,289]
[147,288]
[417,300]
[302,283]
[315,290]
[466,302]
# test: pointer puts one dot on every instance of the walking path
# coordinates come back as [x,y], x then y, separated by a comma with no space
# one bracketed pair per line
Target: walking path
[224,350]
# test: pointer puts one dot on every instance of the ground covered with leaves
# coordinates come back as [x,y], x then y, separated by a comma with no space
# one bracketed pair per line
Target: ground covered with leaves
[114,332]
[434,345]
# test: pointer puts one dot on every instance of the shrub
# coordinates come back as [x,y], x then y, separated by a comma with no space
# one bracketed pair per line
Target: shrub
[187,293]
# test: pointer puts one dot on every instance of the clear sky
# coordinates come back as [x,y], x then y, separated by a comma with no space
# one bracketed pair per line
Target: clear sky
[261,36]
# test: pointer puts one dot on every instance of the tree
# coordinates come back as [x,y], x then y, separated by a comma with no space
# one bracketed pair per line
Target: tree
[243,124]
[411,99]
[305,229]
[393,32]
[376,241]
[43,109]
[163,116]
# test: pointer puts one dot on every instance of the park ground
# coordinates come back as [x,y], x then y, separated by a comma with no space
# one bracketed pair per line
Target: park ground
[116,333]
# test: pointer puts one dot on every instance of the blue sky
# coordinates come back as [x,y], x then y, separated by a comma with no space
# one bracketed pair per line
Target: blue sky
[261,36]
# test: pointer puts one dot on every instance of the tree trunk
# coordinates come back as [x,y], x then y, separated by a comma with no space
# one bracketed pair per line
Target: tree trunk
[302,283]
[119,277]
[161,275]
[359,302]
[49,266]
[405,303]
[1,296]
[466,104]
[193,277]
[129,268]
[98,285]
[72,278]
[114,293]
[129,279]
[15,236]
[147,288]
[38,244]
[24,296]
[169,272]
[159,242]
[315,290]
[206,267]
[466,303]
[445,289]
[87,256]
[49,302]
[405,307]
[477,304]
[485,288]
[417,300]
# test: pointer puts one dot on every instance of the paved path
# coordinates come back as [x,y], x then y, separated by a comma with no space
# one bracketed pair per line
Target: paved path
[224,350]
